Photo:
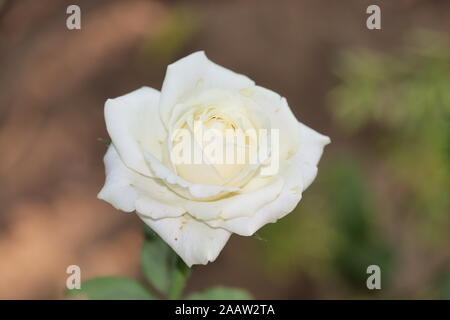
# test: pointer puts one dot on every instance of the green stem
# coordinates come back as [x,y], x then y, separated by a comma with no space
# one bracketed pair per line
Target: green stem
[179,278]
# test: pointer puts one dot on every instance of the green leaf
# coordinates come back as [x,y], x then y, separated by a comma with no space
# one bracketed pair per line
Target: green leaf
[156,263]
[149,234]
[220,293]
[180,273]
[112,288]
[162,267]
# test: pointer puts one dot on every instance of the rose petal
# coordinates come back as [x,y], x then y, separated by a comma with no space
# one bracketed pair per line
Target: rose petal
[284,203]
[185,188]
[311,145]
[134,125]
[275,108]
[186,74]
[194,241]
[127,190]
[238,205]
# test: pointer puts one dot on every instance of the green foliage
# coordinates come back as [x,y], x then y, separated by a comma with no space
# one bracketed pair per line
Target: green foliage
[408,97]
[179,273]
[117,288]
[156,264]
[219,293]
[161,266]
[404,98]
[164,271]
[352,210]
[360,243]
[397,92]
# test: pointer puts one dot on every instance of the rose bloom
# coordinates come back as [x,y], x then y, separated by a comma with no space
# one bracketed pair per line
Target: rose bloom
[196,206]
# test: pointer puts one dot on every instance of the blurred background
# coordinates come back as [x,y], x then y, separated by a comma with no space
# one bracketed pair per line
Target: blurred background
[383,96]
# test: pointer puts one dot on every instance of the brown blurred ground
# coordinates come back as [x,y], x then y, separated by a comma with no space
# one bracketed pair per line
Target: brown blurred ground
[53,83]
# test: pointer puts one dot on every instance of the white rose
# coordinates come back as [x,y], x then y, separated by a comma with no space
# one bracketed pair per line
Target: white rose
[195,207]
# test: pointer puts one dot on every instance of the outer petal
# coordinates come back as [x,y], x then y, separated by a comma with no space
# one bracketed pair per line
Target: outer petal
[128,191]
[187,74]
[309,152]
[238,205]
[134,125]
[284,203]
[194,241]
[271,105]
[296,139]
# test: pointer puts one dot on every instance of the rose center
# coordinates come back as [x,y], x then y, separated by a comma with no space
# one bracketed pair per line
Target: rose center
[216,150]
